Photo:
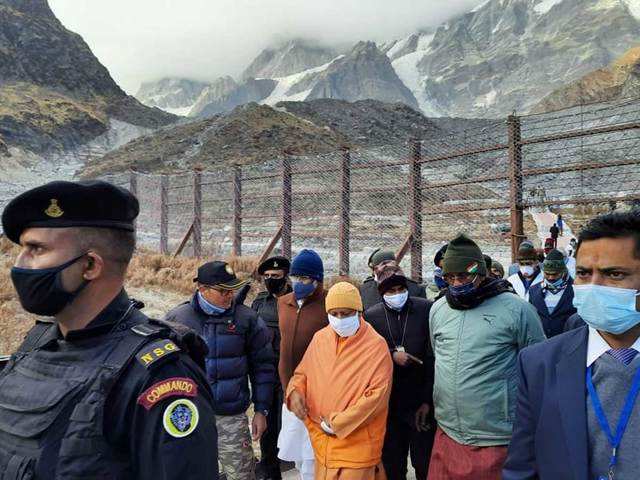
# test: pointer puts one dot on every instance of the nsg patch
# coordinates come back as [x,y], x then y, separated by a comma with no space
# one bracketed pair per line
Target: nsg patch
[181,418]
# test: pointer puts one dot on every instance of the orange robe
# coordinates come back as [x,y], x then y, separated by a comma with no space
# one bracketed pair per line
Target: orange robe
[346,382]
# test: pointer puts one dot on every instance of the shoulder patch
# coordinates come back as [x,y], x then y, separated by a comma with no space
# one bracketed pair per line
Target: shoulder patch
[180,418]
[171,387]
[154,351]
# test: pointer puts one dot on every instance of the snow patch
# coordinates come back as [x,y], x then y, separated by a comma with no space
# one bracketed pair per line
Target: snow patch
[424,42]
[634,7]
[607,4]
[480,6]
[545,5]
[399,45]
[487,99]
[284,84]
[406,68]
[182,111]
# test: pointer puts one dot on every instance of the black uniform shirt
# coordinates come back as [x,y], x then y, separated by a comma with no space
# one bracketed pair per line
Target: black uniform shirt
[138,411]
[266,306]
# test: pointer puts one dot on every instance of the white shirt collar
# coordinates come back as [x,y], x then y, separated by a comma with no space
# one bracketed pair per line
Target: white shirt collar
[597,346]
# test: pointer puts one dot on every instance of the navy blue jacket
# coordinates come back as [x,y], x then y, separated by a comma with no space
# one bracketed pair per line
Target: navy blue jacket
[573,322]
[239,349]
[550,435]
[553,323]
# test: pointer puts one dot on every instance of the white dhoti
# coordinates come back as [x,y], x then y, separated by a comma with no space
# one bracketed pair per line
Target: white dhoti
[294,444]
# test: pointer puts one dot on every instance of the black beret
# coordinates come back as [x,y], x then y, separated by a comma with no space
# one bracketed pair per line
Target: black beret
[440,254]
[274,263]
[70,204]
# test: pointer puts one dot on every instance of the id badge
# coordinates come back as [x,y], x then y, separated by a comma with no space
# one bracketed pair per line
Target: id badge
[400,349]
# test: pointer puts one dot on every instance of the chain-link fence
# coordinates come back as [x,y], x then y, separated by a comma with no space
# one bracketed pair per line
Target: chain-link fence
[500,184]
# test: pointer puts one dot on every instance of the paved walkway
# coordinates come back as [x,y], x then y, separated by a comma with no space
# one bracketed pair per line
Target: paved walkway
[544,220]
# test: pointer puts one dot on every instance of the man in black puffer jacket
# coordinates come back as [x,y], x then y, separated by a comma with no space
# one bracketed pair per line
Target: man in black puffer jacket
[403,321]
[239,350]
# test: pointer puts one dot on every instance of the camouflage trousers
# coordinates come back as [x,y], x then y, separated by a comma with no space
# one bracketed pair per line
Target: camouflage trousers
[235,451]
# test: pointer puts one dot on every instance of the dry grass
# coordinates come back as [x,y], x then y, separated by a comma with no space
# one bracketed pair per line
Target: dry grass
[160,281]
[14,322]
[150,276]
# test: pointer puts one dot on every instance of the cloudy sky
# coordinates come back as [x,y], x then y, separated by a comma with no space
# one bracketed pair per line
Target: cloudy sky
[141,40]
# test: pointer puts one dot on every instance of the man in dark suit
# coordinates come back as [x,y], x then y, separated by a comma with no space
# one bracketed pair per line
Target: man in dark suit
[575,387]
[553,298]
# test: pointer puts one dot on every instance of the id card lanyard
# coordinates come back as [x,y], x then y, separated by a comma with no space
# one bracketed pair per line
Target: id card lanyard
[614,441]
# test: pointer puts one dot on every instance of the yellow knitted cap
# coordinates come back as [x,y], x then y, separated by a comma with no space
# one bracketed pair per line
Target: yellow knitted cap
[343,295]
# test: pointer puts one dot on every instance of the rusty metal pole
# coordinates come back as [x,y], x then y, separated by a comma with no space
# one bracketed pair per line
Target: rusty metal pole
[415,210]
[164,214]
[237,210]
[197,212]
[515,184]
[286,205]
[345,210]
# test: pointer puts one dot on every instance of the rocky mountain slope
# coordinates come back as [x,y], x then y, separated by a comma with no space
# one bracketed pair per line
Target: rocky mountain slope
[225,94]
[503,55]
[54,94]
[255,133]
[249,134]
[619,80]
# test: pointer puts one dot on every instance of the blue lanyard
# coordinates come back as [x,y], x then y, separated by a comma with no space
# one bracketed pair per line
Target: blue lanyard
[622,422]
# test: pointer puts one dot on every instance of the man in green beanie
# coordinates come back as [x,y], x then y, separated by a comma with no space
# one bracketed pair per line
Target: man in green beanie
[477,330]
[378,261]
[497,270]
[529,273]
[553,298]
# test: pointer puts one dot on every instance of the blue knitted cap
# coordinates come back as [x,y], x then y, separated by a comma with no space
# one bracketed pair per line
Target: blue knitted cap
[307,264]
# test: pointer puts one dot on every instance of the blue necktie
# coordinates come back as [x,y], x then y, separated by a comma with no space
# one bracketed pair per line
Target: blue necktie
[624,355]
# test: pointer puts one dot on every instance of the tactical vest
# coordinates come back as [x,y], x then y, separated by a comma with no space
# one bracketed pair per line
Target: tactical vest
[52,402]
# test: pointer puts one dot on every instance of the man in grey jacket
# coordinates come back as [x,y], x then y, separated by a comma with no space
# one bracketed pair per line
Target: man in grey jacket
[477,330]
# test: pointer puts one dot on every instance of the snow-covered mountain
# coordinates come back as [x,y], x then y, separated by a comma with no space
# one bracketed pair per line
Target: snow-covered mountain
[174,95]
[503,55]
[293,57]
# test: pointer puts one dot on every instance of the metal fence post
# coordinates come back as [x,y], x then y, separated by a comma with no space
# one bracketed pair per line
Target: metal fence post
[164,214]
[197,212]
[237,210]
[345,210]
[515,184]
[415,210]
[286,205]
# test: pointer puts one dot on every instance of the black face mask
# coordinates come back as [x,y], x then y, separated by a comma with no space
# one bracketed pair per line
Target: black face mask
[275,285]
[40,290]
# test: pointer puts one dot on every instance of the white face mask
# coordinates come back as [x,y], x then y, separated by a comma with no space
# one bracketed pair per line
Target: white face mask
[397,301]
[527,270]
[345,327]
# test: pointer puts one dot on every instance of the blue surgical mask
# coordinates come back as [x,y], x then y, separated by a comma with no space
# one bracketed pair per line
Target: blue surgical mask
[610,309]
[208,307]
[462,290]
[302,290]
[438,280]
[397,301]
[345,327]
